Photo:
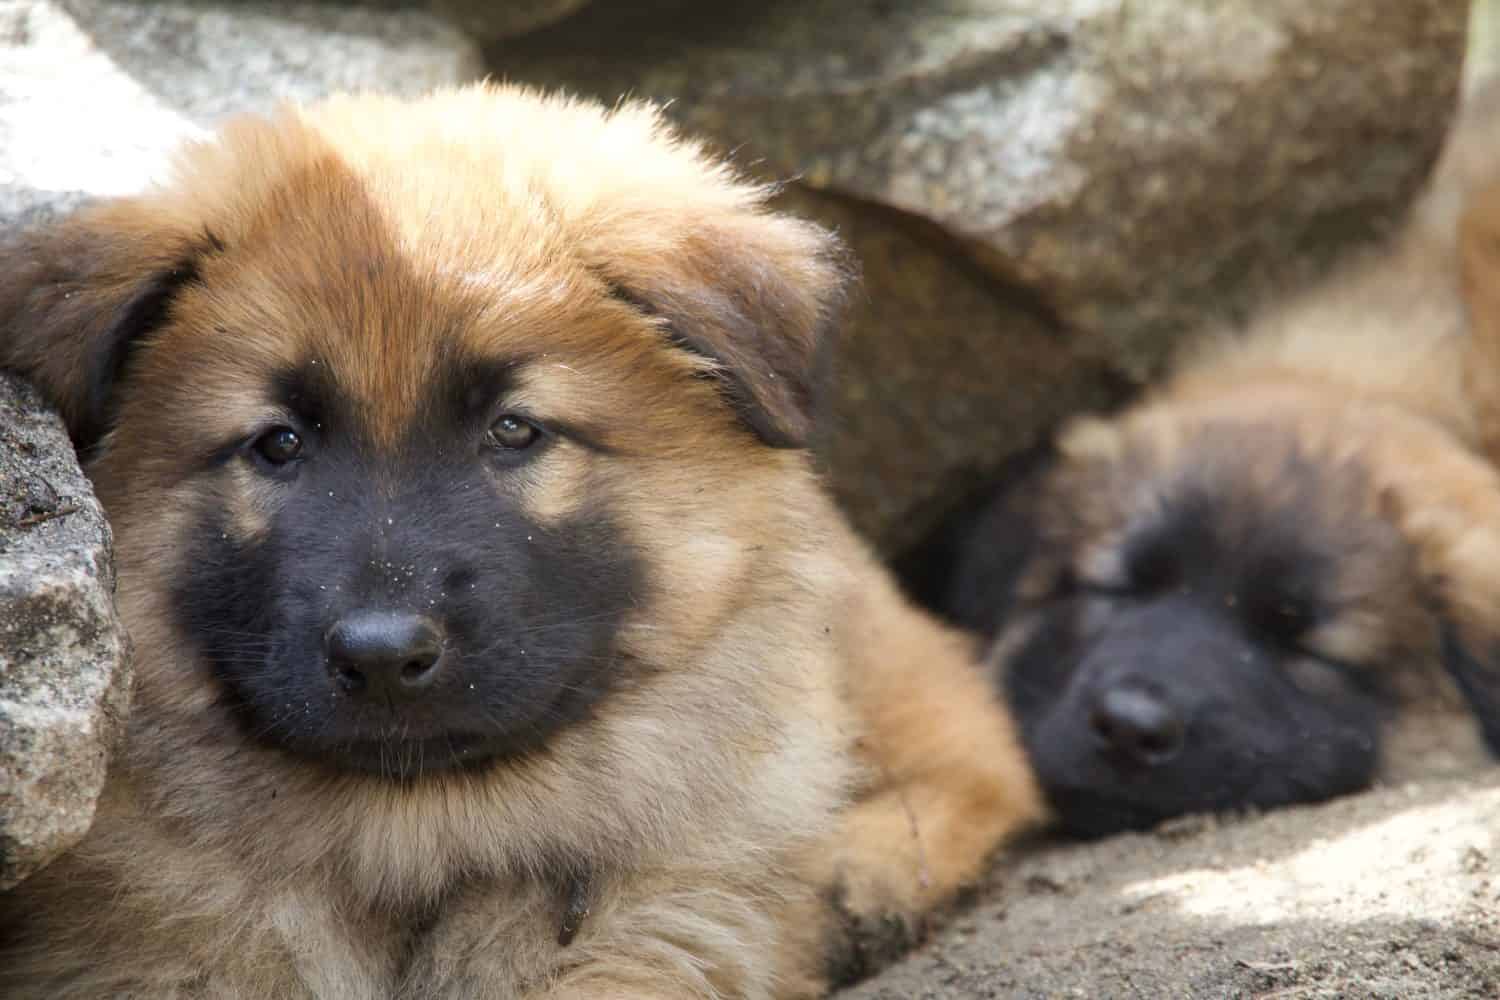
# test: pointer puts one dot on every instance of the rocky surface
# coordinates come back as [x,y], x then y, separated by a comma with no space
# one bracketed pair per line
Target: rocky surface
[489,20]
[63,654]
[1394,893]
[94,92]
[1128,169]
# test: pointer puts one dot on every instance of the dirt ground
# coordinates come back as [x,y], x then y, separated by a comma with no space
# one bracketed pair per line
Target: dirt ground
[1394,893]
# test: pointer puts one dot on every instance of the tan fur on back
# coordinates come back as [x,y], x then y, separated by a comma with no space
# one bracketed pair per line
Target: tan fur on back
[1392,322]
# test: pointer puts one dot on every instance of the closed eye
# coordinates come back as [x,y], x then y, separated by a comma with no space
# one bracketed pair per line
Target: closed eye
[1105,588]
[1329,678]
[1285,621]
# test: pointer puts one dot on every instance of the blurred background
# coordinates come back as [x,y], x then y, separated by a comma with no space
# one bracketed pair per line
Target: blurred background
[1045,195]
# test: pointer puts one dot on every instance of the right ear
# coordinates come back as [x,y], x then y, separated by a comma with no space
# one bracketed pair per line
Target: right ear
[759,295]
[77,297]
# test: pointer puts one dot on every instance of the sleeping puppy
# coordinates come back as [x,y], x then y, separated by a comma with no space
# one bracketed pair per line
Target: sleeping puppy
[1231,594]
[493,636]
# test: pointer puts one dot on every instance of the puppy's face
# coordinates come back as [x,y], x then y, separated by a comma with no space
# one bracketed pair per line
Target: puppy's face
[418,448]
[1213,622]
[405,560]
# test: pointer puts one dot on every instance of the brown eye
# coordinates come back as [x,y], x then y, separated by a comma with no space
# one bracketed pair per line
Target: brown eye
[279,445]
[513,433]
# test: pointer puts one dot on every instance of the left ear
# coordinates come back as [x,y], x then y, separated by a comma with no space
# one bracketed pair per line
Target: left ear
[759,295]
[970,570]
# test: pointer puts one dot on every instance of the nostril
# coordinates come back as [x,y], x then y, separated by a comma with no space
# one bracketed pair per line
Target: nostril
[416,671]
[1137,724]
[1102,725]
[1159,741]
[349,679]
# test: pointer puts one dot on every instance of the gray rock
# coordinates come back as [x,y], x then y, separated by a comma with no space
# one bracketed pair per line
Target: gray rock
[943,370]
[1118,156]
[63,652]
[94,92]
[487,20]
[1131,169]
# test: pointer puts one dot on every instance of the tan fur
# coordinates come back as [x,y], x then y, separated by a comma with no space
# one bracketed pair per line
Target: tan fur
[706,802]
[1479,249]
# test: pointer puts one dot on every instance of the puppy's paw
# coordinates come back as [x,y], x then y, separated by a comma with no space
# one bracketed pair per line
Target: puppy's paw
[878,886]
[858,945]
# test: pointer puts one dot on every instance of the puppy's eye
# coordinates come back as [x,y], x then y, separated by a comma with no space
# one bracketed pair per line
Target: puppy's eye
[279,445]
[1105,590]
[1330,678]
[1286,621]
[512,433]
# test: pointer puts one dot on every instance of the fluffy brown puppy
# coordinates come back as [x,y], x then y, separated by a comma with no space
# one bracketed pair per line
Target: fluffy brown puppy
[493,636]
[1235,592]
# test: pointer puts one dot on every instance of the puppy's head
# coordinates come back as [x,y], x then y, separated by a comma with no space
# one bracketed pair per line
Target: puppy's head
[425,427]
[1219,611]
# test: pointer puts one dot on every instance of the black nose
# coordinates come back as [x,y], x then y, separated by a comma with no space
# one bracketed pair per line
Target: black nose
[384,655]
[1137,724]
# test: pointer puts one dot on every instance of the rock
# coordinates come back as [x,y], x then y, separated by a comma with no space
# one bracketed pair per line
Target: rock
[942,371]
[94,92]
[63,652]
[489,20]
[1391,893]
[1134,169]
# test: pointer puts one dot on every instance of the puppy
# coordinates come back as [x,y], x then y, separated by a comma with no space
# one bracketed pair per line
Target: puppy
[493,636]
[1231,594]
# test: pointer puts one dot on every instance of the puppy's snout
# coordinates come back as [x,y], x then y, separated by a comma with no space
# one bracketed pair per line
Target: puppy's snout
[1137,724]
[384,655]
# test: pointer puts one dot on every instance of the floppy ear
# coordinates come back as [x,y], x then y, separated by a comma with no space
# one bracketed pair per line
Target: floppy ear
[759,295]
[970,569]
[76,297]
[1479,253]
[1013,550]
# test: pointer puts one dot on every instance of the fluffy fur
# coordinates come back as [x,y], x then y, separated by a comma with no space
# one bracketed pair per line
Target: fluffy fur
[1231,593]
[707,736]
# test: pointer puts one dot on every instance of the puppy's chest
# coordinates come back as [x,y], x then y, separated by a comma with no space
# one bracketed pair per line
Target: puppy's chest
[499,936]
